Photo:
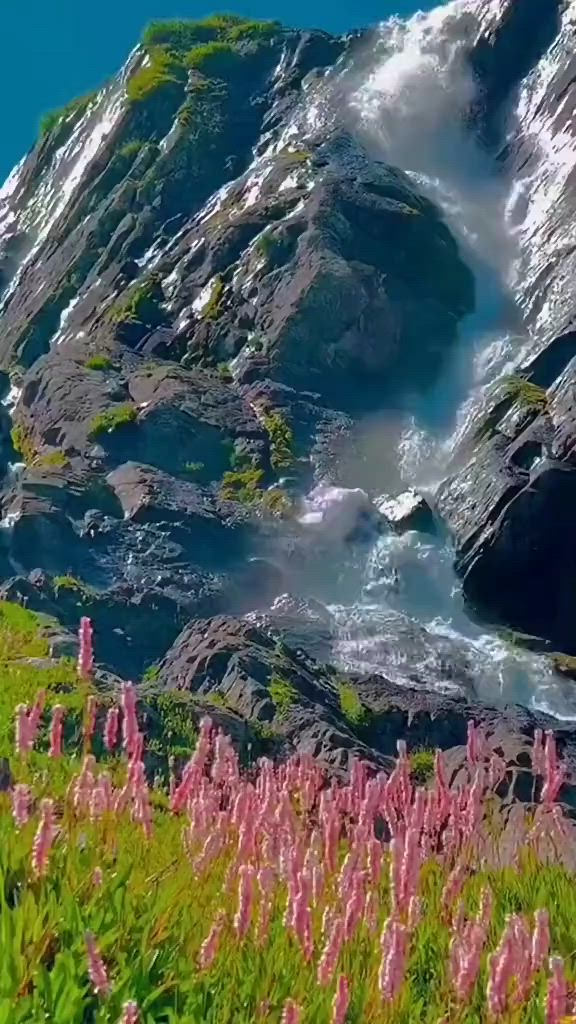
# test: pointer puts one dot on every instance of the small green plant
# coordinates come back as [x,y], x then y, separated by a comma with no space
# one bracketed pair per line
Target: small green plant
[130,150]
[150,675]
[216,59]
[71,583]
[140,304]
[283,695]
[75,108]
[296,156]
[99,363]
[281,440]
[242,485]
[351,706]
[111,420]
[23,443]
[162,70]
[277,502]
[422,765]
[56,459]
[224,371]
[194,468]
[528,396]
[211,310]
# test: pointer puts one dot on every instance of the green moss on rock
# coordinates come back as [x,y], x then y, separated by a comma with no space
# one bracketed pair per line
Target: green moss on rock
[162,70]
[72,110]
[111,420]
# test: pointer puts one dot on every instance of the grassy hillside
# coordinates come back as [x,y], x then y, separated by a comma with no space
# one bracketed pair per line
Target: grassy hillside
[266,894]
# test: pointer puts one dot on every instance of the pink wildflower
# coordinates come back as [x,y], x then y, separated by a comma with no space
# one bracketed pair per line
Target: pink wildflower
[97,877]
[393,966]
[331,953]
[44,838]
[557,995]
[97,971]
[90,720]
[130,722]
[540,940]
[56,730]
[86,655]
[21,804]
[209,948]
[130,1013]
[111,728]
[292,1012]
[35,716]
[23,736]
[245,900]
[341,1000]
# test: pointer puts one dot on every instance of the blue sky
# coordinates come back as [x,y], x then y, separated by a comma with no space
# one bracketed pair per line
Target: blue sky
[55,51]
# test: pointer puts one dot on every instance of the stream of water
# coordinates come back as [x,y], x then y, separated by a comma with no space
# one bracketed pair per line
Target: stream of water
[407,617]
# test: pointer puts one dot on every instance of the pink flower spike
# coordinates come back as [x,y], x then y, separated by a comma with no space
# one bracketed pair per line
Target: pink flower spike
[44,838]
[56,730]
[292,1012]
[97,968]
[341,1000]
[86,655]
[97,877]
[111,728]
[130,1013]
[209,948]
[23,734]
[245,899]
[557,995]
[21,797]
[540,940]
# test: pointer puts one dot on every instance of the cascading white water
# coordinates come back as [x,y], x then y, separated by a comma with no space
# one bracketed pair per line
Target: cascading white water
[409,619]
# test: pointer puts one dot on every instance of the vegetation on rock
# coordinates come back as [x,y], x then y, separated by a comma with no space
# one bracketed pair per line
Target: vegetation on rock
[242,485]
[351,706]
[23,443]
[162,70]
[140,304]
[113,419]
[528,396]
[283,695]
[211,310]
[99,363]
[281,440]
[75,109]
[422,766]
[56,459]
[73,584]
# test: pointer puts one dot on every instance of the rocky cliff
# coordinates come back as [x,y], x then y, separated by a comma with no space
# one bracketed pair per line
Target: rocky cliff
[211,276]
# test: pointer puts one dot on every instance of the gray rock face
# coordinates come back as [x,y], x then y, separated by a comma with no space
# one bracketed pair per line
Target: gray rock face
[301,707]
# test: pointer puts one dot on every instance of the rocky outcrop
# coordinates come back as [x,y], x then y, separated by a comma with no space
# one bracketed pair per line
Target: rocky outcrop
[301,706]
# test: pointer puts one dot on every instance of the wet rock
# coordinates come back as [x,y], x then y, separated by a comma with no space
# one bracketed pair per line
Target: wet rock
[407,511]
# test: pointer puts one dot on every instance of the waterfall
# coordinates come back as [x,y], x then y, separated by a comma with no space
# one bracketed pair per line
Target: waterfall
[408,619]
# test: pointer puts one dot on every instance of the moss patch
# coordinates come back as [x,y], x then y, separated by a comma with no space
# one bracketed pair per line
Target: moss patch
[71,110]
[162,70]
[23,443]
[140,304]
[281,440]
[111,420]
[99,363]
[351,706]
[525,394]
[57,459]
[283,695]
